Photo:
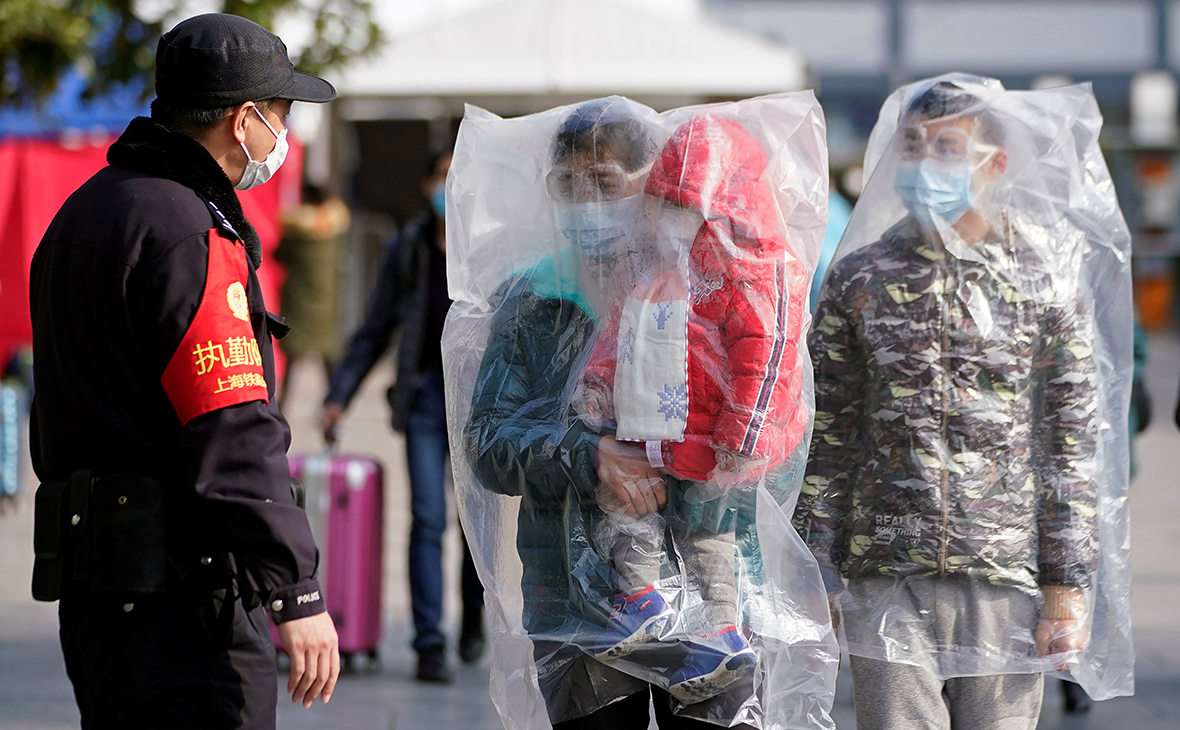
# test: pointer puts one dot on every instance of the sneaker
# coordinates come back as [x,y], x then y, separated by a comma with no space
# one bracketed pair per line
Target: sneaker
[432,665]
[471,638]
[712,665]
[636,619]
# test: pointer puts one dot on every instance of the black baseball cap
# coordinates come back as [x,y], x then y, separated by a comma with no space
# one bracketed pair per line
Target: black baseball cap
[219,60]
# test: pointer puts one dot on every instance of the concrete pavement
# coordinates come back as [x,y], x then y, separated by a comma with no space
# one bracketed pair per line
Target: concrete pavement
[35,693]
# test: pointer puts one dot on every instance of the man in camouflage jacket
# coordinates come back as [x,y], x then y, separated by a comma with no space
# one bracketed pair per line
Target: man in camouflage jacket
[940,449]
[951,465]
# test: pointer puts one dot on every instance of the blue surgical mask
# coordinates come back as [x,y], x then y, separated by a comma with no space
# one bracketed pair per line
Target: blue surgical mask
[597,227]
[936,192]
[438,200]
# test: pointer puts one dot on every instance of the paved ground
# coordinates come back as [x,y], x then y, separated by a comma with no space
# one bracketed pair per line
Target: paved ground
[35,694]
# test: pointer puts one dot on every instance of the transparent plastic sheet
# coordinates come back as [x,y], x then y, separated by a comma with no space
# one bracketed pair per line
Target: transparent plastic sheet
[621,273]
[966,494]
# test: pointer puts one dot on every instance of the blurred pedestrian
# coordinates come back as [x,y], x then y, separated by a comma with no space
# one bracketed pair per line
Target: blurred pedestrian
[411,296]
[165,518]
[1139,415]
[839,211]
[313,237]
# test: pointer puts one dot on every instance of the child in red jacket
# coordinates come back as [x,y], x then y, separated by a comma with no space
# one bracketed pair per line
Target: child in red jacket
[699,364]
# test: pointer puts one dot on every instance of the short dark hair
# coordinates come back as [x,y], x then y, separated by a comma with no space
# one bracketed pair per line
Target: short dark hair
[196,121]
[431,166]
[605,124]
[946,99]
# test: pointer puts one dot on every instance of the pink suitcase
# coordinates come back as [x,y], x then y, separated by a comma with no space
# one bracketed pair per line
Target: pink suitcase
[345,509]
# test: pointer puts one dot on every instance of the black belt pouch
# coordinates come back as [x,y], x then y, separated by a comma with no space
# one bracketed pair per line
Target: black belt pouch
[107,535]
[128,535]
[51,560]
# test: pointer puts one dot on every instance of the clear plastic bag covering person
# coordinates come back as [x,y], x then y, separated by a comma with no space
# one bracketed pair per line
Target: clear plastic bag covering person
[630,402]
[966,490]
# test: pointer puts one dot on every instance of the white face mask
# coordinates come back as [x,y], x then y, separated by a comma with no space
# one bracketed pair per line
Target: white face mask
[259,172]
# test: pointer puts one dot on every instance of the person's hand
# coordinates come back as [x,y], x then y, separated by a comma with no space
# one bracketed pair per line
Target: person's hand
[329,420]
[733,468]
[1061,638]
[628,482]
[730,461]
[834,609]
[314,649]
[595,406]
[1062,632]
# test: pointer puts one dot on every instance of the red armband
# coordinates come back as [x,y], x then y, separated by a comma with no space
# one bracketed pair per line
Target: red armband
[218,362]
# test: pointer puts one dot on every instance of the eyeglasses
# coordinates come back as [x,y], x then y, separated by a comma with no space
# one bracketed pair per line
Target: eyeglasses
[603,181]
[949,144]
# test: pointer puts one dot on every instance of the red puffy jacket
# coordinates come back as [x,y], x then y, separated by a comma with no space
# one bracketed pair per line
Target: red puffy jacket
[746,305]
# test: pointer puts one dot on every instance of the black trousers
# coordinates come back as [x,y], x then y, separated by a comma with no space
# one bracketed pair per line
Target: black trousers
[174,661]
[630,713]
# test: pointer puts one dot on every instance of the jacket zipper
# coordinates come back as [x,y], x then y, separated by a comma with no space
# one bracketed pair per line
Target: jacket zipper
[946,490]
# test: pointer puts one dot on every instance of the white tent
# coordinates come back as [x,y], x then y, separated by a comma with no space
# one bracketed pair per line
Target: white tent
[519,56]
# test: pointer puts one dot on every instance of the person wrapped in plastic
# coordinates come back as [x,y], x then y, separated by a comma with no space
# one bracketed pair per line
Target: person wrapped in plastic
[637,392]
[700,365]
[972,338]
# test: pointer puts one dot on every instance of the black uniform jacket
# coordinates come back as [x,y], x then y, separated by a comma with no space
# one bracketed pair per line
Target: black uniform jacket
[147,362]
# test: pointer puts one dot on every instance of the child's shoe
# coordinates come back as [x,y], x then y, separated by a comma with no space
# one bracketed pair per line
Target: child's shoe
[636,619]
[712,665]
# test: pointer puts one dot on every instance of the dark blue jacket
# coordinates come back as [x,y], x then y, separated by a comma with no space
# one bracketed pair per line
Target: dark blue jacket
[400,299]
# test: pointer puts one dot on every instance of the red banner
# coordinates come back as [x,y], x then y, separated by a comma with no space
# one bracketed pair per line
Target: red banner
[36,177]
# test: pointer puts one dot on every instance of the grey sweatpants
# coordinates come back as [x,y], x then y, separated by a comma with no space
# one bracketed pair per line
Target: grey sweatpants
[974,633]
[904,697]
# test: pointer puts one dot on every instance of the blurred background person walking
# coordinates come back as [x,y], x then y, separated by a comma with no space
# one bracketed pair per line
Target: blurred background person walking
[313,236]
[411,297]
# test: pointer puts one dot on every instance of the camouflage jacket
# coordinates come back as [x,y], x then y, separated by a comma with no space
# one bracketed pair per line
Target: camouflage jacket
[955,423]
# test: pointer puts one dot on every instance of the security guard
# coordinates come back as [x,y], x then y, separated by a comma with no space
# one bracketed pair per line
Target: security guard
[166,518]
